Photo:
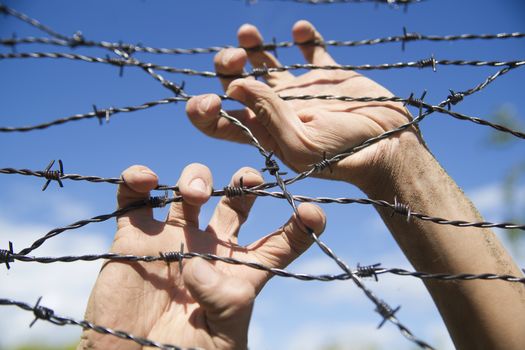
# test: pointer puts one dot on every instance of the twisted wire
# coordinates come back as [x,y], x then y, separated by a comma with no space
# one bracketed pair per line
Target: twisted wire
[257,72]
[279,195]
[361,271]
[175,99]
[81,223]
[47,314]
[31,21]
[95,114]
[127,47]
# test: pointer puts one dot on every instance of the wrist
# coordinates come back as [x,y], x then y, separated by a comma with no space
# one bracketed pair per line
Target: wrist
[384,165]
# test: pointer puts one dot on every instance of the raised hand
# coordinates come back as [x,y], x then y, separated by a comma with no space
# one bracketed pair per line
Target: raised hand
[207,305]
[301,131]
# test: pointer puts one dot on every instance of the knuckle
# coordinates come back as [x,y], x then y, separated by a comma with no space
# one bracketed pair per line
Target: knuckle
[297,237]
[261,111]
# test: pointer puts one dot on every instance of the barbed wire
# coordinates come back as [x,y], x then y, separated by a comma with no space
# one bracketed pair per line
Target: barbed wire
[105,114]
[260,72]
[231,191]
[7,256]
[101,114]
[79,40]
[125,52]
[46,314]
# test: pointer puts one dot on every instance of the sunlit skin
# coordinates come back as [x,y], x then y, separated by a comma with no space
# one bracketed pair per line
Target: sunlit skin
[209,305]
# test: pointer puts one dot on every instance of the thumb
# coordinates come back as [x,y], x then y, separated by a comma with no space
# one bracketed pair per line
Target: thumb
[226,300]
[273,113]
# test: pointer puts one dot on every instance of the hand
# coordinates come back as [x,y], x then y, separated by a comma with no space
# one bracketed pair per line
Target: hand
[299,132]
[207,305]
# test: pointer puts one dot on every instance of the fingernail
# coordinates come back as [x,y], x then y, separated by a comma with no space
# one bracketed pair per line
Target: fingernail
[204,273]
[204,104]
[148,172]
[227,56]
[235,92]
[251,177]
[199,185]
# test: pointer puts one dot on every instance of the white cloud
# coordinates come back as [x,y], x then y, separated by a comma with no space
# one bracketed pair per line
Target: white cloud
[65,287]
[56,205]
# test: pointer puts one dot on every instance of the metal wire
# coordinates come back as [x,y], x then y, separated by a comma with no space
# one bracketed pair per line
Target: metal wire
[80,41]
[409,101]
[258,72]
[361,271]
[47,314]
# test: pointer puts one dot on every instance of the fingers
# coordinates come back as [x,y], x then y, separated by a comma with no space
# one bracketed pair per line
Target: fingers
[230,62]
[232,212]
[227,301]
[284,246]
[203,112]
[249,37]
[304,32]
[138,182]
[279,119]
[195,186]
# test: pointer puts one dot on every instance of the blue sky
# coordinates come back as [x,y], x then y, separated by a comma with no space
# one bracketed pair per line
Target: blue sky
[288,314]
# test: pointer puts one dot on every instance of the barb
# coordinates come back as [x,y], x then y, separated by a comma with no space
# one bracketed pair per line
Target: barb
[53,175]
[49,315]
[6,256]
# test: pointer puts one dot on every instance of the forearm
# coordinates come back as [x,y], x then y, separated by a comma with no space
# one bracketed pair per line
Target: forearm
[478,314]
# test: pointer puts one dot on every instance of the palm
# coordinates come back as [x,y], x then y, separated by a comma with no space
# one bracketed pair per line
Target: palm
[159,286]
[300,132]
[332,126]
[157,300]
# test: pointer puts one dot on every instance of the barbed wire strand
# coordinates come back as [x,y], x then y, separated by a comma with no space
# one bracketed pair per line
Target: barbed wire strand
[98,113]
[81,41]
[105,113]
[361,271]
[279,195]
[31,21]
[44,313]
[258,72]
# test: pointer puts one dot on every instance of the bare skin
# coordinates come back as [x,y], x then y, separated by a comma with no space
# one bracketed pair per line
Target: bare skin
[478,314]
[207,305]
